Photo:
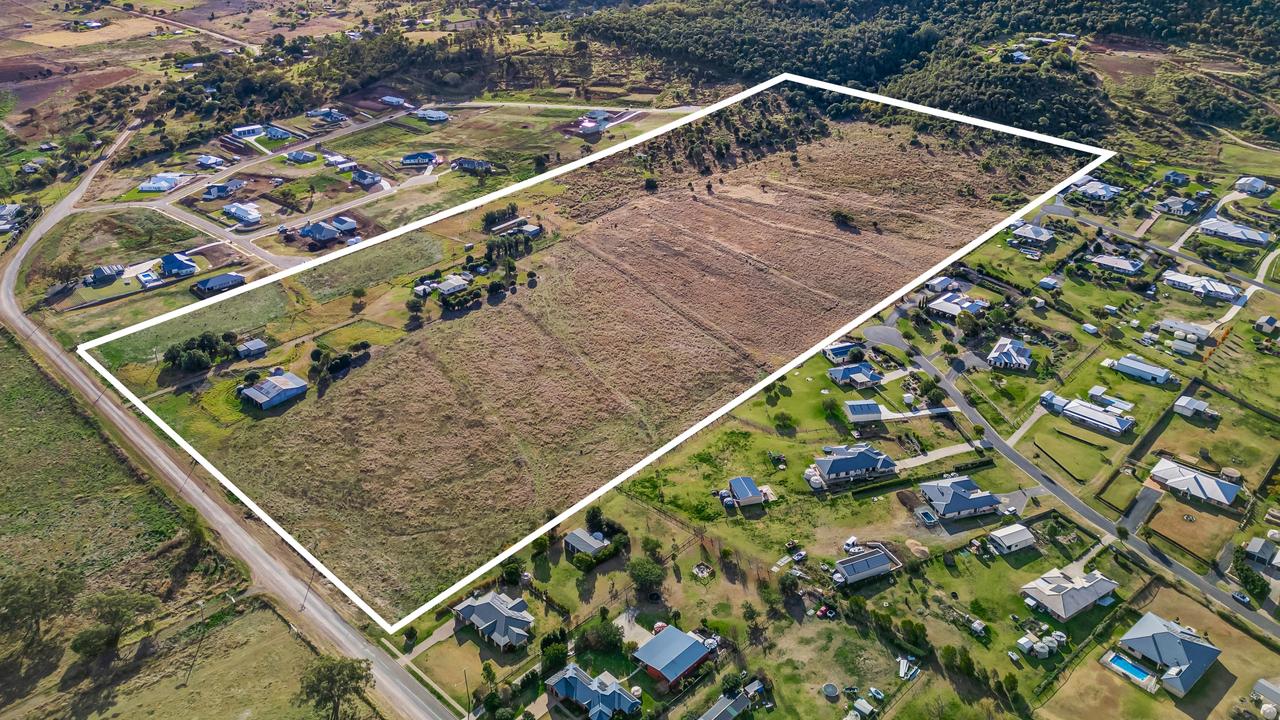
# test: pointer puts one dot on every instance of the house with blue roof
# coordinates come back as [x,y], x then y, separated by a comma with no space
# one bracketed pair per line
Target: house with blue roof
[860,375]
[365,178]
[275,389]
[178,265]
[502,620]
[473,166]
[300,157]
[672,655]
[1180,655]
[848,464]
[957,497]
[744,491]
[278,133]
[320,232]
[418,159]
[602,697]
[838,352]
[1174,177]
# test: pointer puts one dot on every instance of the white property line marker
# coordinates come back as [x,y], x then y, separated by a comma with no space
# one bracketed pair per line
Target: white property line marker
[1101,156]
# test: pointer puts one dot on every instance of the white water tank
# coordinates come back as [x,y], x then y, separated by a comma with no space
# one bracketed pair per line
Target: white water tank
[1269,711]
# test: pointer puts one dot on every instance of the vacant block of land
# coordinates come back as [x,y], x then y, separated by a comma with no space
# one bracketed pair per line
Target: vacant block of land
[664,283]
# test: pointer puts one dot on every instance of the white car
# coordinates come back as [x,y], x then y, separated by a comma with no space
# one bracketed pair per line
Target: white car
[851,544]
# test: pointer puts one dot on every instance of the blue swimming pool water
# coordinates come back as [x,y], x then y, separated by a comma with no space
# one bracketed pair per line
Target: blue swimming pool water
[1129,668]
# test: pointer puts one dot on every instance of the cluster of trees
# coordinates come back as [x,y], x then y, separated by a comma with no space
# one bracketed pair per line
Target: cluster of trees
[201,352]
[1251,580]
[959,661]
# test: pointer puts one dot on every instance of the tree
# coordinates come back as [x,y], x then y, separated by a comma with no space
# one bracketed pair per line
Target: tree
[646,573]
[554,657]
[329,684]
[413,305]
[788,584]
[27,600]
[595,519]
[114,611]
[749,613]
[512,568]
[488,675]
[651,546]
[358,293]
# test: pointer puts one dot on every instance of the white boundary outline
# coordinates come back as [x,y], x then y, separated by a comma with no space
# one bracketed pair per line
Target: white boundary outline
[1101,156]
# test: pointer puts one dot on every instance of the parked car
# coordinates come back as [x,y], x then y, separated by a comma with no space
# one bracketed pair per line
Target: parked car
[1241,598]
[800,556]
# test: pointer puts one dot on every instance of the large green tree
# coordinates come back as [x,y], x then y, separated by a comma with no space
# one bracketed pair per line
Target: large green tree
[330,685]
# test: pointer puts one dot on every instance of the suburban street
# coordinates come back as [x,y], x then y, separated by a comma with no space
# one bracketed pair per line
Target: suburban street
[887,334]
[271,564]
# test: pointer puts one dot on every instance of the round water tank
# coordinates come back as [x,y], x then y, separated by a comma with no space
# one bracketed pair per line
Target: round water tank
[830,690]
[659,627]
[1269,711]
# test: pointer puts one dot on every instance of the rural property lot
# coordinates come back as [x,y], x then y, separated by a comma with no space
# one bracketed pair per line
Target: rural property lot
[665,284]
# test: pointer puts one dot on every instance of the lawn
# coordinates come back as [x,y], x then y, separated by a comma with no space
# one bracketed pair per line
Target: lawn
[456,662]
[1199,527]
[1241,439]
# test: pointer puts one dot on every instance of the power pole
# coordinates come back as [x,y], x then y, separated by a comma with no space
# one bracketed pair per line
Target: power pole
[199,642]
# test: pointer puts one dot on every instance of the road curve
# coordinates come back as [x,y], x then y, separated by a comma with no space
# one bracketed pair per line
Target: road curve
[395,689]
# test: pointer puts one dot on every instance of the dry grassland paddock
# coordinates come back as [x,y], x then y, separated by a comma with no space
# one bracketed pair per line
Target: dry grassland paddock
[650,312]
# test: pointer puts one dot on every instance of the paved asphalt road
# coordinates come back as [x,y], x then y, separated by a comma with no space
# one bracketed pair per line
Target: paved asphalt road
[396,690]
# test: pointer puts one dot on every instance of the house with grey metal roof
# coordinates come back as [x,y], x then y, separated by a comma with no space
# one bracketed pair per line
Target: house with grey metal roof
[1201,286]
[1011,538]
[251,348]
[1010,354]
[581,541]
[1181,655]
[1029,234]
[602,696]
[1260,550]
[728,707]
[1117,263]
[1137,367]
[957,497]
[1227,230]
[1087,414]
[1064,595]
[275,389]
[953,303]
[499,619]
[672,654]
[1194,484]
[1177,206]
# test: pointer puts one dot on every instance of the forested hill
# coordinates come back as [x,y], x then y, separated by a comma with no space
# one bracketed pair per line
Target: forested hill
[923,49]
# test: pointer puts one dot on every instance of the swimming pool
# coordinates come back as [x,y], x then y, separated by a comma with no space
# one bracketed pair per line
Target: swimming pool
[1134,671]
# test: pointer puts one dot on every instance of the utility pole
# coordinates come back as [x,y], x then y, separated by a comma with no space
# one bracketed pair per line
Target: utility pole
[199,643]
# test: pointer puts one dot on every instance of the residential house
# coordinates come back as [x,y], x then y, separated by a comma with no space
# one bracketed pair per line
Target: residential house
[672,655]
[602,697]
[210,161]
[247,131]
[1087,414]
[321,232]
[1019,57]
[1118,264]
[278,133]
[473,166]
[105,274]
[1191,483]
[300,157]
[594,121]
[1035,235]
[1050,283]
[1217,227]
[1010,354]
[33,165]
[392,100]
[452,284]
[344,223]
[1138,368]
[1065,595]
[1201,286]
[503,621]
[178,265]
[957,497]
[728,707]
[190,66]
[953,303]
[838,352]
[581,541]
[217,284]
[744,491]
[432,116]
[161,182]
[859,375]
[1176,178]
[1011,539]
[848,464]
[1178,652]
[1098,190]
[9,213]
[868,561]
[251,348]
[365,178]
[1251,185]
[1179,206]
[218,191]
[275,389]
[246,213]
[1266,324]
[418,159]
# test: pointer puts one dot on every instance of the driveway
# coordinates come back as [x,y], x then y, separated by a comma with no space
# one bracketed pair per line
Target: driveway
[1141,508]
